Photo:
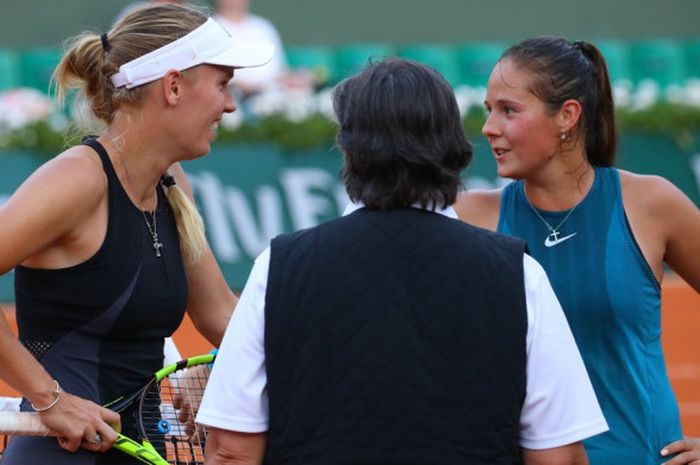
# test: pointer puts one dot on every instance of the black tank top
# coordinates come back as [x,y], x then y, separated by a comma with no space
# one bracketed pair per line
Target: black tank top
[98,327]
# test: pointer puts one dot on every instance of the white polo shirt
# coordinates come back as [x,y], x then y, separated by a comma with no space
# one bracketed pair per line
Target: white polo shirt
[560,406]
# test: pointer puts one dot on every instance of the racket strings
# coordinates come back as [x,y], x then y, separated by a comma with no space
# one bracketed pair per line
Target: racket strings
[166,416]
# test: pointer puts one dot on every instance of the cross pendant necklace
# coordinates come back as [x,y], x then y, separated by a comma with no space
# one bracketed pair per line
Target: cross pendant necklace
[153,231]
[552,238]
[157,245]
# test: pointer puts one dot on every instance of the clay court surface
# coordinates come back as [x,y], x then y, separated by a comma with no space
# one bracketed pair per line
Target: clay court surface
[681,340]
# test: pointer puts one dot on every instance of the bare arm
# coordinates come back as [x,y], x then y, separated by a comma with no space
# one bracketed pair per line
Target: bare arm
[43,224]
[211,302]
[571,454]
[479,208]
[683,237]
[665,223]
[234,448]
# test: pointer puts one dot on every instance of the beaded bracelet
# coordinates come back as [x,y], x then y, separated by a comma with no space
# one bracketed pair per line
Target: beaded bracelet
[56,392]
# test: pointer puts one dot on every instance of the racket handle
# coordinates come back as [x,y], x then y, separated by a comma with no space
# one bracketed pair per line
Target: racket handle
[22,424]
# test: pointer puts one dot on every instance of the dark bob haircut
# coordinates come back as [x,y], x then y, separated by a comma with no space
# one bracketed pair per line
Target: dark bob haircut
[401,134]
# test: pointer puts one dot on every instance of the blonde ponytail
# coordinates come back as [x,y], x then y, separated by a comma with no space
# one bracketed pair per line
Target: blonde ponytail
[90,58]
[85,66]
[190,225]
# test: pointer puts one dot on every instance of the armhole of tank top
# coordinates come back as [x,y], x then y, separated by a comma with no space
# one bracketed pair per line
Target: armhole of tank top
[628,229]
[111,176]
[115,190]
[102,153]
[97,147]
[506,194]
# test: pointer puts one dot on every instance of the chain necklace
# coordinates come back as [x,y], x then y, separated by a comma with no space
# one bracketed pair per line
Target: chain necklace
[552,238]
[152,229]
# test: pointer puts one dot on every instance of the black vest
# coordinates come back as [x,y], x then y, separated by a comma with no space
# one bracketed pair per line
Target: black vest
[395,338]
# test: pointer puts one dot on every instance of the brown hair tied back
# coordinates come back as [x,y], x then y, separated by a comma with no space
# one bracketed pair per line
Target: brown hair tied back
[562,70]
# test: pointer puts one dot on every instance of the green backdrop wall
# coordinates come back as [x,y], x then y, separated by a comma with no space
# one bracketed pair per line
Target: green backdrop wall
[248,194]
[31,23]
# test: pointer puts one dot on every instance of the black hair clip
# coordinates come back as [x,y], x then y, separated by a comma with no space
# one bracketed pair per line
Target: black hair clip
[167,180]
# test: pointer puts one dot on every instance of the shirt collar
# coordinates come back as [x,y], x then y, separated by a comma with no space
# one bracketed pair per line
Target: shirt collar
[448,212]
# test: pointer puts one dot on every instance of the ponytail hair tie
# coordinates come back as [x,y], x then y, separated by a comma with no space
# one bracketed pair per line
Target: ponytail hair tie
[586,49]
[167,180]
[581,45]
[106,47]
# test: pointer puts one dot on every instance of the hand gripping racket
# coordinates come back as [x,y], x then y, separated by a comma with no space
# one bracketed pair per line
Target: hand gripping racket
[165,408]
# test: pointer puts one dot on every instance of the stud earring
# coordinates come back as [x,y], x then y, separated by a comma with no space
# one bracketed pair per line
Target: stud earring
[563,136]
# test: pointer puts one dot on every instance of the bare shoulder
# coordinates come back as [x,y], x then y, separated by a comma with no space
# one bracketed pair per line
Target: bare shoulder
[77,164]
[654,194]
[637,183]
[74,178]
[49,209]
[479,207]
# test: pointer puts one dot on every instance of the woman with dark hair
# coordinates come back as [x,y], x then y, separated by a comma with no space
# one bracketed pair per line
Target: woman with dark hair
[107,245]
[401,335]
[602,234]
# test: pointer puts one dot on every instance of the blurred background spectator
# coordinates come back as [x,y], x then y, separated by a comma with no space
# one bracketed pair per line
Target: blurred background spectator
[244,26]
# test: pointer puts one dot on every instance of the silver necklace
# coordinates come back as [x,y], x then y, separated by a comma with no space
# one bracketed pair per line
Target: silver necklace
[152,230]
[552,238]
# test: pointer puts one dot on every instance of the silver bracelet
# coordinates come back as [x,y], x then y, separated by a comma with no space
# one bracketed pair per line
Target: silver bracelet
[56,392]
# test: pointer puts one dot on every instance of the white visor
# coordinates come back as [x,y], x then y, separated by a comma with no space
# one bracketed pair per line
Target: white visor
[210,43]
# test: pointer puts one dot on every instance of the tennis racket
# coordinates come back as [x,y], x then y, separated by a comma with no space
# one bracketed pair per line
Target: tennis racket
[164,412]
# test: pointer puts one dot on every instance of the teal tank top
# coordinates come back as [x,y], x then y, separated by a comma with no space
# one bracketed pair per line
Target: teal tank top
[612,302]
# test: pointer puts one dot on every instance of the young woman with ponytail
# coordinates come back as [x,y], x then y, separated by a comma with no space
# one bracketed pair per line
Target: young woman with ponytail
[602,234]
[107,245]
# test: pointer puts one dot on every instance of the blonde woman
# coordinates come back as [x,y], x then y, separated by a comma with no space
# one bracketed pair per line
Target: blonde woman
[108,248]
